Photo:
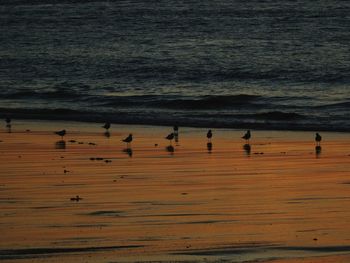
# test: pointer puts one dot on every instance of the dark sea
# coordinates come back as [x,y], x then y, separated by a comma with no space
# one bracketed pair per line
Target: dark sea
[263,64]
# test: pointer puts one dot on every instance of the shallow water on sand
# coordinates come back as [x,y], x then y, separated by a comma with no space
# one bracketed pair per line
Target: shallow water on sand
[279,198]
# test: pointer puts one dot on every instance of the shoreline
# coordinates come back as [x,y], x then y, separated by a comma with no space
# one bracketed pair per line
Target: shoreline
[98,118]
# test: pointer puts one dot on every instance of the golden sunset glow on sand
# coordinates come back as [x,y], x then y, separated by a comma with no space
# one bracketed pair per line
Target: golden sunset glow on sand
[278,199]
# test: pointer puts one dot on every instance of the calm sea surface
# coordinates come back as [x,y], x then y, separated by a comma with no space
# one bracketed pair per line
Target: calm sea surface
[220,63]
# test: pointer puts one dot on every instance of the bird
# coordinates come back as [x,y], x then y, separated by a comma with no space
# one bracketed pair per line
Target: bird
[77,198]
[8,121]
[106,126]
[318,139]
[128,139]
[176,133]
[170,137]
[247,136]
[61,133]
[8,124]
[209,135]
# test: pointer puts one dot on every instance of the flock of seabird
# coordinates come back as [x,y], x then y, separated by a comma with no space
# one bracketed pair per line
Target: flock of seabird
[170,136]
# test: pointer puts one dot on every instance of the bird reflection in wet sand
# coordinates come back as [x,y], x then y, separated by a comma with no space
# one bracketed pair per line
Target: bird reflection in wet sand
[318,150]
[107,134]
[247,148]
[170,149]
[9,128]
[60,145]
[209,147]
[128,151]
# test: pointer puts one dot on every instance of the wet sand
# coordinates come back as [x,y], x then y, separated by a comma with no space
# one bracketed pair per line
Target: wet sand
[279,201]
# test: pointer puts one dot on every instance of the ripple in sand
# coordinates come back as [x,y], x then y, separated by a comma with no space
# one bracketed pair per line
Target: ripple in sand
[105,213]
[35,252]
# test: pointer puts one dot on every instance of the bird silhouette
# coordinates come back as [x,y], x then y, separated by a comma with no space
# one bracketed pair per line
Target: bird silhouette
[176,133]
[318,139]
[8,124]
[128,140]
[176,129]
[106,126]
[61,133]
[247,136]
[8,121]
[209,135]
[170,137]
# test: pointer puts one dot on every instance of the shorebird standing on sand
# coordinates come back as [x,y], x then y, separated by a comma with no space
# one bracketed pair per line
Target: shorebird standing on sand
[318,139]
[209,135]
[170,137]
[176,133]
[176,130]
[128,140]
[106,126]
[61,133]
[8,122]
[247,136]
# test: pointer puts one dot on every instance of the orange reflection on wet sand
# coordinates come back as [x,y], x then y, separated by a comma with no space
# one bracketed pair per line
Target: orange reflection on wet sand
[279,199]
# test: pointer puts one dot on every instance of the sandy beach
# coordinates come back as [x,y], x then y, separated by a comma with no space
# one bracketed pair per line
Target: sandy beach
[280,200]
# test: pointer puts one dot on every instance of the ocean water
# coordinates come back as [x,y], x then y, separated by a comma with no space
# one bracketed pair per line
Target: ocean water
[272,64]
